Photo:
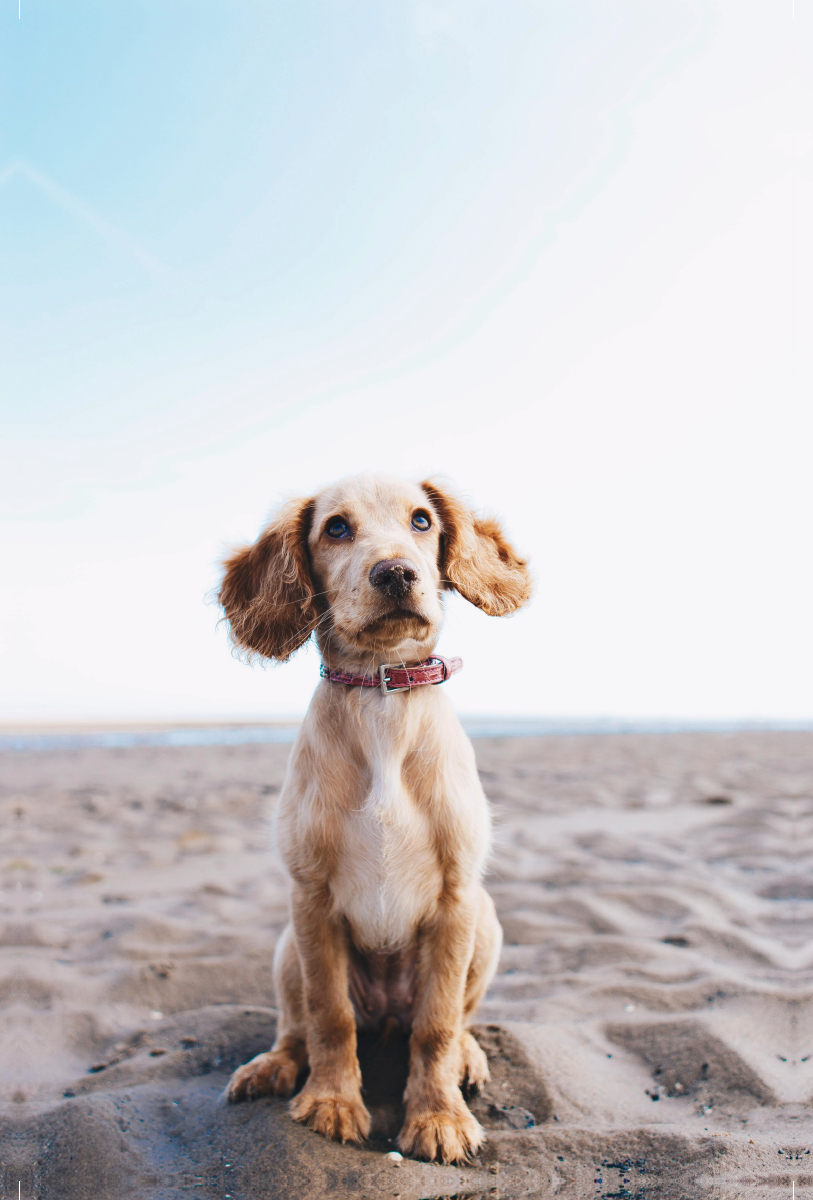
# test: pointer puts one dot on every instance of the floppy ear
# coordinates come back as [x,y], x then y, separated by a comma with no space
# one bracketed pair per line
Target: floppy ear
[267,592]
[475,558]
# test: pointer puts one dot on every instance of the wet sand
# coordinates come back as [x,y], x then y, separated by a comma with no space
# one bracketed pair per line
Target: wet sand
[650,1031]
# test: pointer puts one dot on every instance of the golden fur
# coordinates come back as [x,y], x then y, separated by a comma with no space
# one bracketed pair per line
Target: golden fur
[382,822]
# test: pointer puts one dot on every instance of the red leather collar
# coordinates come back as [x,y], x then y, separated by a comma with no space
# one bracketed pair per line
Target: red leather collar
[391,678]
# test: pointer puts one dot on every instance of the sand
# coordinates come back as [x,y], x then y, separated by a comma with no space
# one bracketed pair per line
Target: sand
[650,1030]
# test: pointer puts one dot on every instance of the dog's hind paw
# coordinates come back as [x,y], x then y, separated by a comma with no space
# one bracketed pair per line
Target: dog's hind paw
[447,1136]
[342,1118]
[475,1074]
[273,1073]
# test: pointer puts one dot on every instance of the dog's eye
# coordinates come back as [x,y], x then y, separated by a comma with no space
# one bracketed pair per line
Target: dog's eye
[420,521]
[337,528]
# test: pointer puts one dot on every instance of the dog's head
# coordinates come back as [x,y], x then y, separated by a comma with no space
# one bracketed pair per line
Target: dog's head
[364,564]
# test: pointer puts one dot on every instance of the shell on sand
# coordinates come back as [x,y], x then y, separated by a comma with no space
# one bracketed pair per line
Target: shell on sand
[650,1031]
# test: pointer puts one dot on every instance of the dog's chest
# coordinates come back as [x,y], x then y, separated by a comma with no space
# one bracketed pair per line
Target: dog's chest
[387,876]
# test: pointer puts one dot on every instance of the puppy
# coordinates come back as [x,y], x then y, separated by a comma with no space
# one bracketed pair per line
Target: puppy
[382,823]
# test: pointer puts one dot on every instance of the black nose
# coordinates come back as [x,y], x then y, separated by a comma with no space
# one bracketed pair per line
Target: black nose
[394,577]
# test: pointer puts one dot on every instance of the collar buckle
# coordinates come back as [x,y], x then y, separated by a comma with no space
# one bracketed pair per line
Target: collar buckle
[386,690]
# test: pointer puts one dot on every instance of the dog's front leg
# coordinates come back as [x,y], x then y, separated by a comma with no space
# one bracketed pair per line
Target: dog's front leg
[438,1124]
[330,1101]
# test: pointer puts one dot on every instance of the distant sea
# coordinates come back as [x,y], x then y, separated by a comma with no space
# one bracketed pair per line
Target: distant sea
[476,727]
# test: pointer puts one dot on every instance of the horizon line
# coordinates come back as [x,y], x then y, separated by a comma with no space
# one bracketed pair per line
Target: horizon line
[44,738]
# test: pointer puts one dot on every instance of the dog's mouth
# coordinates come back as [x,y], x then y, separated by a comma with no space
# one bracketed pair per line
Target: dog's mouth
[397,616]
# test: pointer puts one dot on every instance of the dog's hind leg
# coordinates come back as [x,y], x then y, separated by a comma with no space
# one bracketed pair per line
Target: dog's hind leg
[277,1069]
[487,945]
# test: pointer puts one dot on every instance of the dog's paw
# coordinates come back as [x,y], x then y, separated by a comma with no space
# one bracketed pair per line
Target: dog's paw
[342,1118]
[449,1135]
[273,1073]
[475,1074]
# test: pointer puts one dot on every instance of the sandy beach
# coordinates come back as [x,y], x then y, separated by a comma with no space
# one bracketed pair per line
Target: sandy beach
[650,1030]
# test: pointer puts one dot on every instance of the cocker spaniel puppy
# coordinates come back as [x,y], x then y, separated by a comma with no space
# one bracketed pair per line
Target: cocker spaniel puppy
[382,822]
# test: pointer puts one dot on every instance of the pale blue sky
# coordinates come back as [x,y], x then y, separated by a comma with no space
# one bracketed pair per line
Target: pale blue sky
[559,252]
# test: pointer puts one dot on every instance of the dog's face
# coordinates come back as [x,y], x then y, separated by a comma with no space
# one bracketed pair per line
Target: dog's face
[374,547]
[364,564]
